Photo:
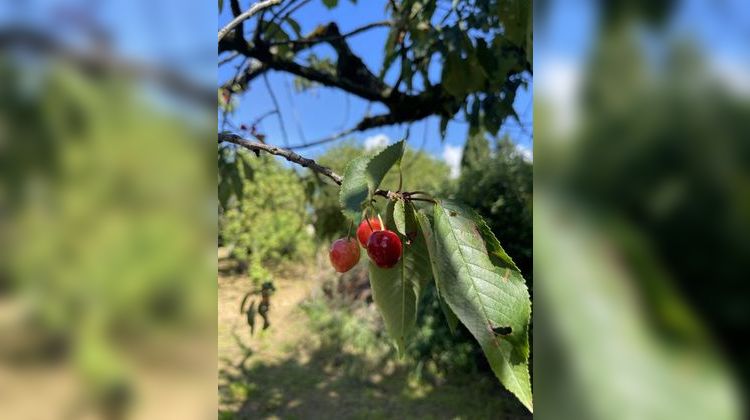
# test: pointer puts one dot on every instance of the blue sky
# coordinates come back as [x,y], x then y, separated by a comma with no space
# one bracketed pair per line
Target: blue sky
[311,116]
[720,29]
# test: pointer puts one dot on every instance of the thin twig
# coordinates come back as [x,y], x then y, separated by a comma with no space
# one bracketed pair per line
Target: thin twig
[275,29]
[229,58]
[252,11]
[427,200]
[295,114]
[278,109]
[286,154]
[263,116]
[324,140]
[290,156]
[333,38]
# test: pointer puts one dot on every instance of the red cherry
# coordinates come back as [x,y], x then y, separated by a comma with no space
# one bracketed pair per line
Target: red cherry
[365,230]
[384,248]
[344,254]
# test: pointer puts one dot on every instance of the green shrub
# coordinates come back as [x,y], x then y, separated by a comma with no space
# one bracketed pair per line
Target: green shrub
[268,222]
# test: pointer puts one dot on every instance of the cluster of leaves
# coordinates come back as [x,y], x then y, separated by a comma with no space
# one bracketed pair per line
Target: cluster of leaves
[483,46]
[99,250]
[328,220]
[451,246]
[439,58]
[263,219]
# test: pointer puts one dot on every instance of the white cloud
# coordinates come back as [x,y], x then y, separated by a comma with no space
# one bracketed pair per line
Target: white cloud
[378,141]
[526,152]
[732,72]
[452,156]
[559,81]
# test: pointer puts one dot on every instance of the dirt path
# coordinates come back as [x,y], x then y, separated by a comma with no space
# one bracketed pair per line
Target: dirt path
[286,372]
[234,333]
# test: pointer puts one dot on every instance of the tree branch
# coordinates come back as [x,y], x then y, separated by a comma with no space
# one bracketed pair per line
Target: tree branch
[278,109]
[254,70]
[324,140]
[315,40]
[289,155]
[252,11]
[286,154]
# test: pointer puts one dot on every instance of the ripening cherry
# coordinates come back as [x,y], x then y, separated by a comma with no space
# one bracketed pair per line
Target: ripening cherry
[365,230]
[384,248]
[344,254]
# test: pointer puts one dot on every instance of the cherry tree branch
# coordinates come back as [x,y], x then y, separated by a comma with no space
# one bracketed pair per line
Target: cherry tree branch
[252,11]
[316,40]
[289,155]
[278,151]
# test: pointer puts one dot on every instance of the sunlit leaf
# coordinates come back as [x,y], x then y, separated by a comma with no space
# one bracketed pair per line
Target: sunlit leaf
[330,3]
[487,294]
[295,27]
[396,290]
[399,217]
[381,163]
[354,190]
[426,230]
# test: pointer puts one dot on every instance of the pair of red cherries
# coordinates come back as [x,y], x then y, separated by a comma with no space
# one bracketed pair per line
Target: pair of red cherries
[383,246]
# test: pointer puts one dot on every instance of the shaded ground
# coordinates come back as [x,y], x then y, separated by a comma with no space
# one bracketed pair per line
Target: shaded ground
[289,372]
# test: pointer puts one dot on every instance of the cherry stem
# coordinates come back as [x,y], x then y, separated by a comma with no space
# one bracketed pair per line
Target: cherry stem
[349,231]
[367,218]
[400,178]
[429,200]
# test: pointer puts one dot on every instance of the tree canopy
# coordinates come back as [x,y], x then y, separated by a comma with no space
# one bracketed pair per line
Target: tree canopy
[439,58]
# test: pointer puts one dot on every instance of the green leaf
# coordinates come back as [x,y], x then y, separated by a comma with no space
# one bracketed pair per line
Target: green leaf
[493,115]
[396,290]
[462,75]
[399,217]
[453,75]
[354,190]
[486,292]
[426,231]
[443,126]
[331,3]
[389,223]
[295,27]
[390,53]
[516,18]
[221,5]
[273,32]
[474,118]
[381,163]
[497,254]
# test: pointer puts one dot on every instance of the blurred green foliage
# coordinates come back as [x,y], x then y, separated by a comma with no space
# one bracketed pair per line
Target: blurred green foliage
[671,159]
[269,221]
[642,234]
[103,238]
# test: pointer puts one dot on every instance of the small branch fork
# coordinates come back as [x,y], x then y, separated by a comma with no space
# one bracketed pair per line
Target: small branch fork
[252,11]
[289,155]
[278,151]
